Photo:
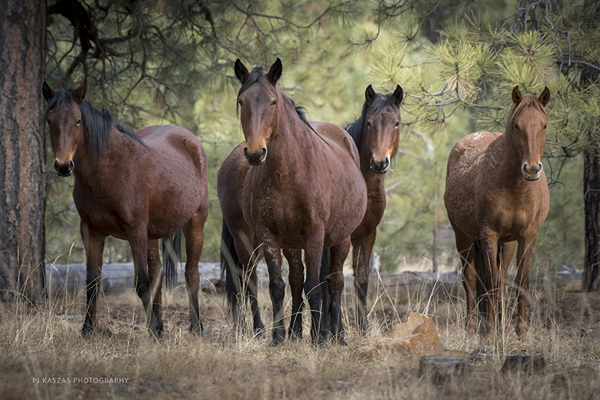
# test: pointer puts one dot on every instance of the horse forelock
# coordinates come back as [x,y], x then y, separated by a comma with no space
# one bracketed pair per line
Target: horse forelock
[528,102]
[257,75]
[97,123]
[382,102]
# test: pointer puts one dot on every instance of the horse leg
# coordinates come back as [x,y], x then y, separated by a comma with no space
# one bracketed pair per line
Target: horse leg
[93,243]
[524,251]
[465,247]
[194,240]
[505,254]
[138,240]
[155,271]
[489,243]
[296,278]
[277,292]
[313,254]
[336,287]
[252,286]
[361,255]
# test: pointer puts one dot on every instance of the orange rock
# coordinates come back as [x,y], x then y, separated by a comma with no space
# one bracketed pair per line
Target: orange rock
[415,338]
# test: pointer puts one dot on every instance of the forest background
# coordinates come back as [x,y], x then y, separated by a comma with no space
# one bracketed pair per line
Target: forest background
[159,62]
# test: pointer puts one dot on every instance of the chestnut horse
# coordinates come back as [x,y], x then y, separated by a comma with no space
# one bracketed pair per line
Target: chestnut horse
[304,191]
[134,186]
[376,134]
[496,197]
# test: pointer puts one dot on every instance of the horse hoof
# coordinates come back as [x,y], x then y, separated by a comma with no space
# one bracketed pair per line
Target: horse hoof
[196,329]
[341,342]
[521,332]
[87,333]
[295,336]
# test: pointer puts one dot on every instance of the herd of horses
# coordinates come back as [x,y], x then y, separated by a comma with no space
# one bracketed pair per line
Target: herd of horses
[292,186]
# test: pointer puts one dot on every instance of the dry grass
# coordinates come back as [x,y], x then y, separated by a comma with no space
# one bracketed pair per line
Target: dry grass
[44,342]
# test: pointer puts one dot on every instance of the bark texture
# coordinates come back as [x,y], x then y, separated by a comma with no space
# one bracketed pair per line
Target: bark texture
[591,198]
[22,151]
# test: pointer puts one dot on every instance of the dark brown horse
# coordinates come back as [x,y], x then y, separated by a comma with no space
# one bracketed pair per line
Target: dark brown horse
[304,191]
[496,195]
[134,186]
[376,134]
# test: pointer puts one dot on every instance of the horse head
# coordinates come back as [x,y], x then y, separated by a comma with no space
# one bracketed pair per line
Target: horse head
[257,99]
[63,115]
[527,130]
[381,125]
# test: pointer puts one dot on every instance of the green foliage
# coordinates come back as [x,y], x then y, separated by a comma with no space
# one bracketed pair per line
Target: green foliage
[460,84]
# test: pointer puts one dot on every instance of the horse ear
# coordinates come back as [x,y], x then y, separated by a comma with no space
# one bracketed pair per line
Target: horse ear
[275,71]
[370,95]
[241,72]
[516,95]
[79,93]
[545,96]
[47,91]
[397,96]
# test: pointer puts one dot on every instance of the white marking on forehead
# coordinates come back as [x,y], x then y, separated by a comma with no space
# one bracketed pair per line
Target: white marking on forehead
[478,135]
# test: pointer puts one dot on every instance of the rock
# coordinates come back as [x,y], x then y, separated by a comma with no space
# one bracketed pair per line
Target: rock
[442,368]
[524,363]
[415,338]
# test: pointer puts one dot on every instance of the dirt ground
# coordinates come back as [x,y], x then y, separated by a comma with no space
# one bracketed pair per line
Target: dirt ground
[42,354]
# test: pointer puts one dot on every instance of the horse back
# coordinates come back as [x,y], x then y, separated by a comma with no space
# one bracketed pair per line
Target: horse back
[338,139]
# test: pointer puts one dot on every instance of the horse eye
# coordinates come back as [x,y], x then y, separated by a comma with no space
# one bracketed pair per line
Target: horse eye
[78,122]
[545,127]
[240,102]
[274,102]
[397,124]
[368,124]
[48,121]
[516,126]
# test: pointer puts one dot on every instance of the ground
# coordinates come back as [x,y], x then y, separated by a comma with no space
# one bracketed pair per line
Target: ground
[42,342]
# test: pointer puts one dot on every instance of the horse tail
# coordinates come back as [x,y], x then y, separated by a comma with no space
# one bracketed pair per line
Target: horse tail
[231,270]
[326,299]
[171,249]
[481,299]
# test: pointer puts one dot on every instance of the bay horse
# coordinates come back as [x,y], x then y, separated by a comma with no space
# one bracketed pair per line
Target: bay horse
[376,133]
[497,197]
[303,191]
[134,186]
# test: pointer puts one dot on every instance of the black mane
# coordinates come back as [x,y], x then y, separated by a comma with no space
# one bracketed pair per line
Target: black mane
[382,101]
[256,75]
[97,123]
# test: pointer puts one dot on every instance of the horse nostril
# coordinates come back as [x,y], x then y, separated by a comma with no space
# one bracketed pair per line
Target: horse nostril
[56,165]
[386,163]
[541,167]
[71,165]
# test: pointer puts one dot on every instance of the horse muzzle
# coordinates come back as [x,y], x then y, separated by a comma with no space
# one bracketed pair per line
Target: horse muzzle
[532,173]
[64,170]
[380,167]
[256,159]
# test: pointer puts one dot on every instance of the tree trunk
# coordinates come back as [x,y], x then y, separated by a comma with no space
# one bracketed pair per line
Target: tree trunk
[591,198]
[22,151]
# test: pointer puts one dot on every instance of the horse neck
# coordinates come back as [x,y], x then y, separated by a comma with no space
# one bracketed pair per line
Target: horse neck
[88,166]
[284,148]
[504,150]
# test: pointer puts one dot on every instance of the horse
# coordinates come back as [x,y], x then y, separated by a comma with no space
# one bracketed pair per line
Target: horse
[376,133]
[302,191]
[497,197]
[134,186]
